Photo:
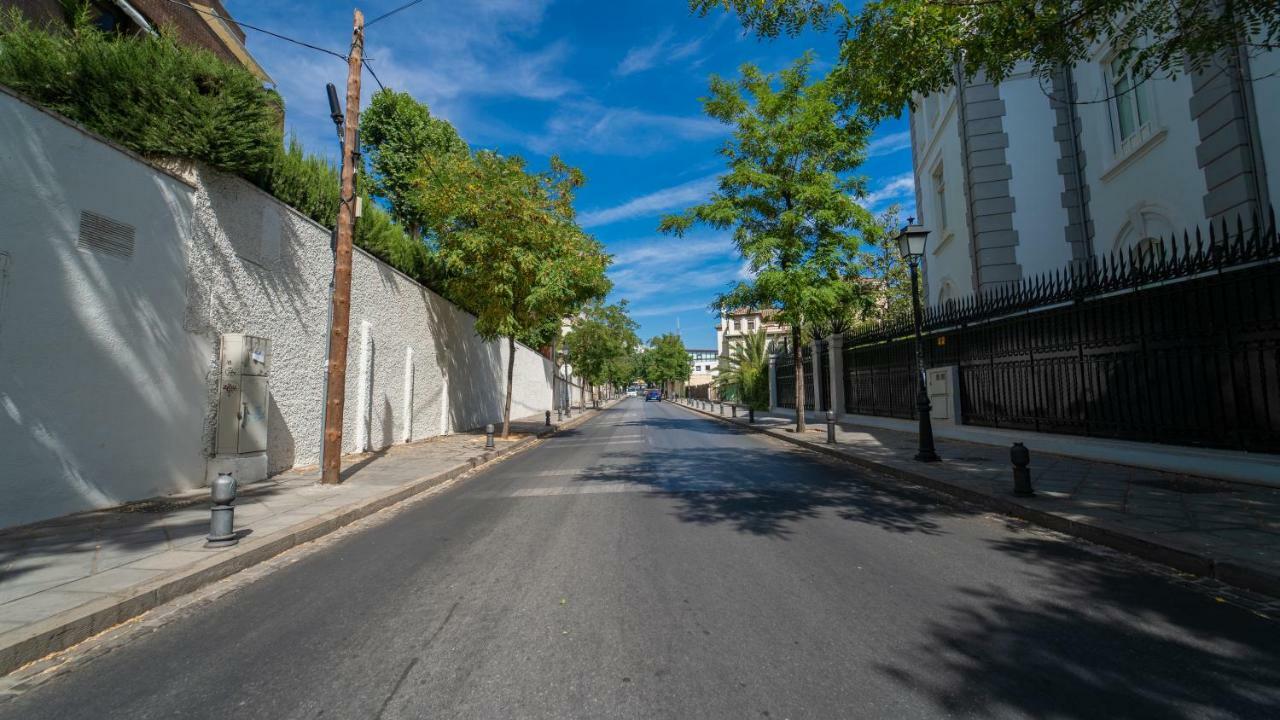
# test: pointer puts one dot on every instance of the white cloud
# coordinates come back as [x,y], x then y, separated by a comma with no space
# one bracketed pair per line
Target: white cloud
[663,249]
[656,310]
[896,189]
[654,203]
[659,52]
[889,144]
[588,126]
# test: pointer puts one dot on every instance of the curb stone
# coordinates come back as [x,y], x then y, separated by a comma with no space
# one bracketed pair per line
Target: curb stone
[70,627]
[1097,532]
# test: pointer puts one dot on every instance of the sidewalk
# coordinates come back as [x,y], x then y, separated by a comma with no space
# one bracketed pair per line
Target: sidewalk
[1229,531]
[66,579]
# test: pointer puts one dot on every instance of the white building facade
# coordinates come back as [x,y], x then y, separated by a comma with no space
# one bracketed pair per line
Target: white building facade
[1030,176]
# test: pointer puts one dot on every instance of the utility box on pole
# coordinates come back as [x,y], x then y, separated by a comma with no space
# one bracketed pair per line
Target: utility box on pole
[240,437]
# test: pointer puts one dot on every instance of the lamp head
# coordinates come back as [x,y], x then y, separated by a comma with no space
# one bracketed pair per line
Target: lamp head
[911,240]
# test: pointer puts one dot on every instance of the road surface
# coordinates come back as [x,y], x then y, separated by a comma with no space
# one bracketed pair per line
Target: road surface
[655,564]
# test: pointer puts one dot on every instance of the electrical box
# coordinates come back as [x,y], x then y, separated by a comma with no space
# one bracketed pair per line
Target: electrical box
[943,385]
[243,395]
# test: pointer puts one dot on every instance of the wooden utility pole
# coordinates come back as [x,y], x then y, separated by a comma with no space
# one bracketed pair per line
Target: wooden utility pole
[341,300]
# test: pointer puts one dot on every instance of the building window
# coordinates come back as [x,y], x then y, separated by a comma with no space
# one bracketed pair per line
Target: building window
[940,196]
[1130,106]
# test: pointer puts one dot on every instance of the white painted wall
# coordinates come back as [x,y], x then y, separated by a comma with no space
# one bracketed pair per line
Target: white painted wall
[1038,215]
[108,373]
[1265,69]
[948,266]
[1157,187]
[96,399]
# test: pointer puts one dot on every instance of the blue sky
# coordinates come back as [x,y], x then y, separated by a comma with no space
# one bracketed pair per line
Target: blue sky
[612,87]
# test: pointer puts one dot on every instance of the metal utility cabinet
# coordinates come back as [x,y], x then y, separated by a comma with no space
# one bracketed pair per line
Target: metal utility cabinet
[240,445]
[242,395]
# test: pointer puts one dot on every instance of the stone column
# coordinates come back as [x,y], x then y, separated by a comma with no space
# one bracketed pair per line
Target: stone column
[815,359]
[835,346]
[773,384]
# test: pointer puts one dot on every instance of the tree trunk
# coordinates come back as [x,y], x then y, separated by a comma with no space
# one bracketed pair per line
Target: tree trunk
[582,395]
[797,355]
[511,373]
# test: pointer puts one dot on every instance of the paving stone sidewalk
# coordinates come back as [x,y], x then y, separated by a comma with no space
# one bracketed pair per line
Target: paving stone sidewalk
[68,578]
[1220,529]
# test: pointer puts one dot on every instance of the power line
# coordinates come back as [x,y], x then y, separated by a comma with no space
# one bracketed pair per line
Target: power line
[374,74]
[264,31]
[384,16]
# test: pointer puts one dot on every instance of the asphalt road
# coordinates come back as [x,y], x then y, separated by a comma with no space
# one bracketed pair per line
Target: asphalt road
[654,564]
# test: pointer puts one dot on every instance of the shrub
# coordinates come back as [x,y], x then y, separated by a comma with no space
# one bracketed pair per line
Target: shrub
[149,93]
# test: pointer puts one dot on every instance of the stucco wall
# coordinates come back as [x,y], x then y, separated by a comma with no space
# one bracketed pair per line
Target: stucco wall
[1038,214]
[96,400]
[108,366]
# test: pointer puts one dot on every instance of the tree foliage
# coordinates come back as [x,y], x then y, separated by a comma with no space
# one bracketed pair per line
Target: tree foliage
[666,361]
[601,342]
[149,93]
[789,197]
[891,49]
[744,372]
[885,270]
[398,135]
[507,246]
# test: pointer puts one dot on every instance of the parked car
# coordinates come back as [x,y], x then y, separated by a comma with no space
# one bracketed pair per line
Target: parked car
[653,395]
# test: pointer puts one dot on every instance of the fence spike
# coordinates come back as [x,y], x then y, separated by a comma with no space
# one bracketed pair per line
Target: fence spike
[1239,247]
[1272,238]
[1255,237]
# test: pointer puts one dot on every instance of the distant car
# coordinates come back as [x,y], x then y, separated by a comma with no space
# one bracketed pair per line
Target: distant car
[653,395]
[632,393]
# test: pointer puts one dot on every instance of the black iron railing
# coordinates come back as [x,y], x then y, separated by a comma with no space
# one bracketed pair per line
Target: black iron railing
[1176,343]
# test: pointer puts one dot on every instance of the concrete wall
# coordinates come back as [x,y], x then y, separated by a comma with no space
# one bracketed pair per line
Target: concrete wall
[108,365]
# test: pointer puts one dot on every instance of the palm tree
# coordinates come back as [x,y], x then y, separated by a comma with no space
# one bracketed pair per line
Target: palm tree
[744,372]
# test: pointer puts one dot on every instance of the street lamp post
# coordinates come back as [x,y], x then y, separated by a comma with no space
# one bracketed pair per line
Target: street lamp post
[911,241]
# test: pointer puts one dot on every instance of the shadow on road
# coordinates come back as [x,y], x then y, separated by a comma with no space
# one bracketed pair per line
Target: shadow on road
[1107,642]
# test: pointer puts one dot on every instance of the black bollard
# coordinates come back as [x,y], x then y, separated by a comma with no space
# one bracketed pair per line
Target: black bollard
[831,428]
[1021,458]
[548,418]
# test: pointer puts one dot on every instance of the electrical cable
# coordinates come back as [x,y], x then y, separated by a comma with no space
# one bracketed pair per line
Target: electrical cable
[386,15]
[264,31]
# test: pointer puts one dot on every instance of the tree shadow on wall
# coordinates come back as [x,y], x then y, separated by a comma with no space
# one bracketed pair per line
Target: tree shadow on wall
[1107,639]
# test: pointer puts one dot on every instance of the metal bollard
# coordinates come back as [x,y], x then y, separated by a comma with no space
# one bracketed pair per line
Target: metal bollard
[734,410]
[488,436]
[722,408]
[223,516]
[1021,458]
[831,428]
[558,413]
[548,418]
[751,415]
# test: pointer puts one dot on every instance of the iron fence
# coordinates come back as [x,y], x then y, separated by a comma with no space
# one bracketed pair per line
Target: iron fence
[1177,343]
[786,379]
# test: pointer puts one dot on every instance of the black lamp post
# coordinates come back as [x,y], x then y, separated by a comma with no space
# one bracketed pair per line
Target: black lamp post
[911,240]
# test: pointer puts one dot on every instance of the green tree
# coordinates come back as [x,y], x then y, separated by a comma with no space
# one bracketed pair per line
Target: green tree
[886,272]
[602,337]
[891,49]
[399,135]
[508,248]
[744,372]
[789,197]
[150,93]
[667,361]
